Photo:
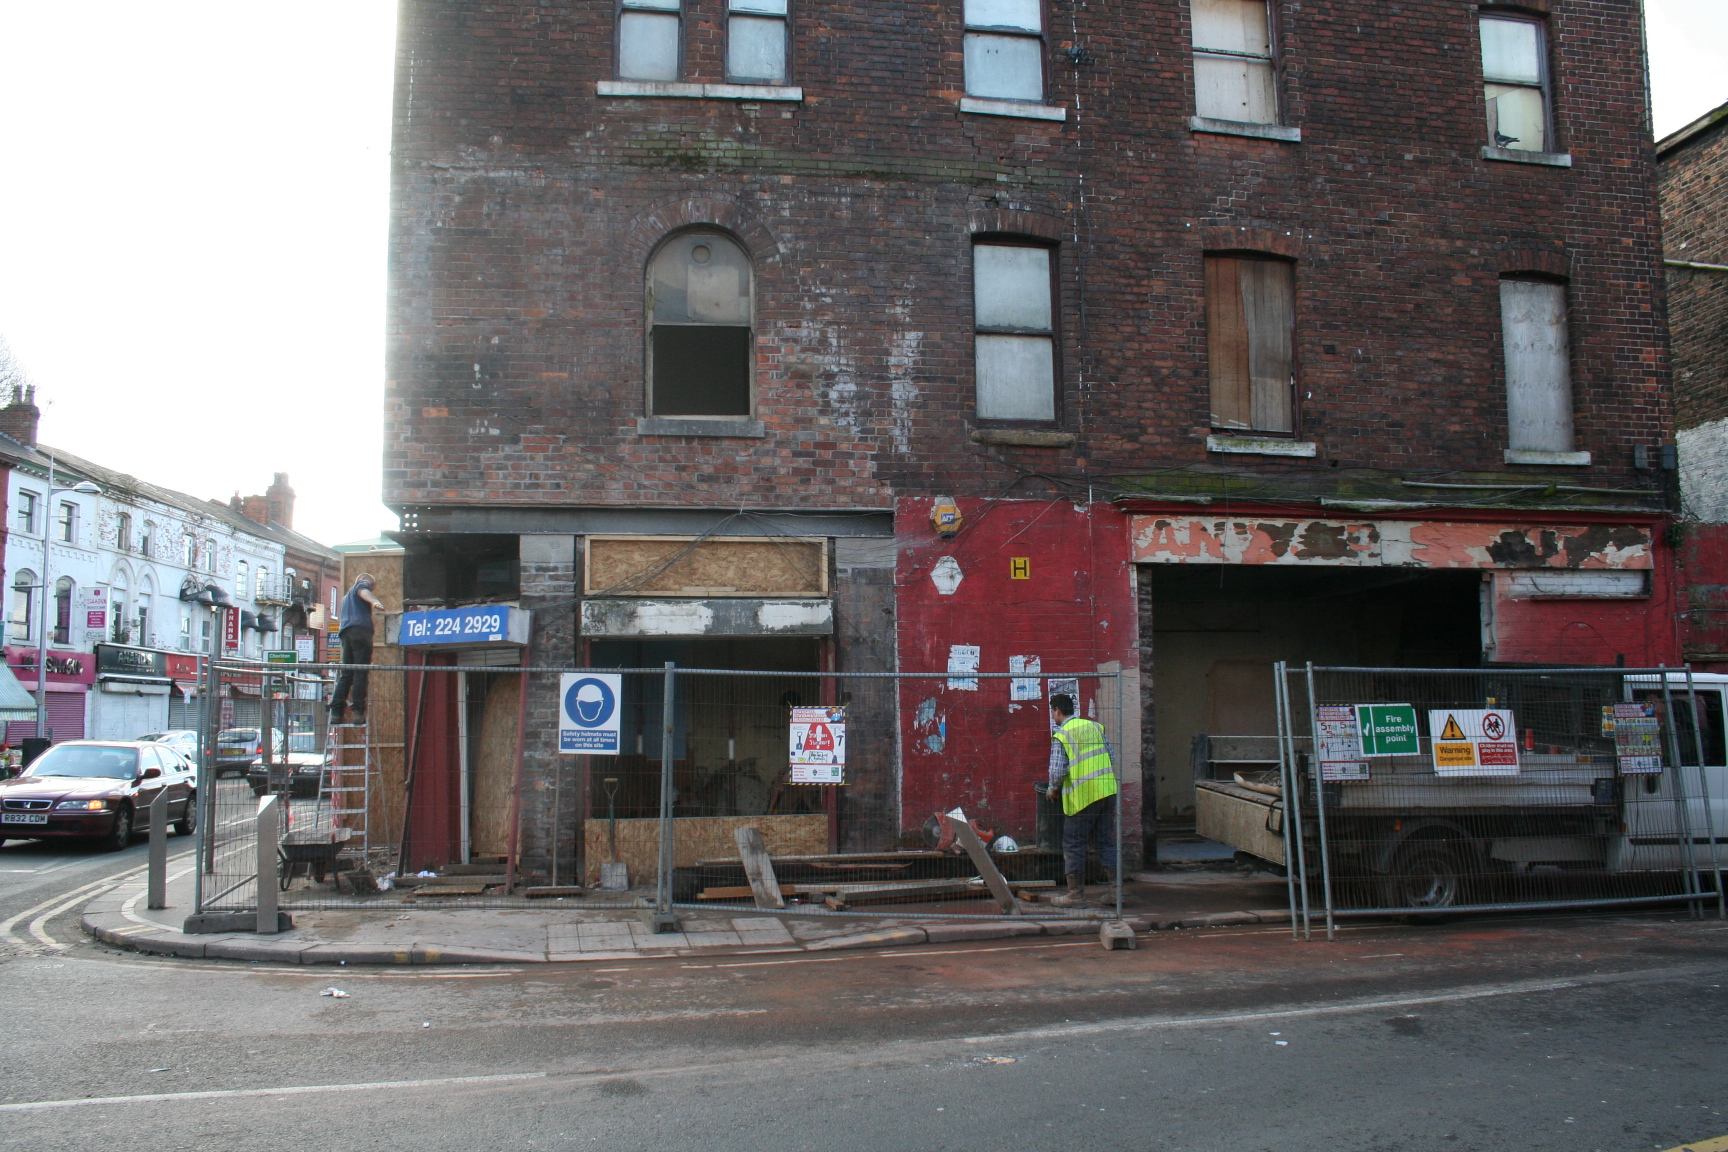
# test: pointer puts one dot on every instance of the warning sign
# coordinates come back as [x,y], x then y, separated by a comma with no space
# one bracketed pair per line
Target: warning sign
[1340,745]
[1474,741]
[818,753]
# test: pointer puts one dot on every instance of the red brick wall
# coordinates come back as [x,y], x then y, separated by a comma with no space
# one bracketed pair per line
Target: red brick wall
[1646,633]
[979,750]
[1693,183]
[1704,608]
[526,208]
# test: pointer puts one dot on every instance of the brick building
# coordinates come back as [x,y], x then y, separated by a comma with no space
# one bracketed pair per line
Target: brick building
[1692,175]
[1235,331]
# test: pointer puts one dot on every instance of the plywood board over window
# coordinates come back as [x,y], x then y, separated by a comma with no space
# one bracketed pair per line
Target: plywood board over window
[727,566]
[1250,310]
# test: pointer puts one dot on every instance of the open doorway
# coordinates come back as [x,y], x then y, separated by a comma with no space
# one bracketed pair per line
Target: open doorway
[1215,632]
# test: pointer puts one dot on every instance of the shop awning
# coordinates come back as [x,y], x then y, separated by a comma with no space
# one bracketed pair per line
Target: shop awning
[15,703]
[188,688]
[237,689]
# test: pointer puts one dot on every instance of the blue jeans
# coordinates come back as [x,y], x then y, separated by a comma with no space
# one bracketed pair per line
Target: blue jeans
[1095,822]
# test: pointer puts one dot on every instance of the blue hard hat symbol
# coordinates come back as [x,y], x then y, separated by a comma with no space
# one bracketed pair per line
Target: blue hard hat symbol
[590,702]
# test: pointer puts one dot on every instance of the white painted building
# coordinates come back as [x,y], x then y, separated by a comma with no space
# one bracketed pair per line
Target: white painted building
[122,570]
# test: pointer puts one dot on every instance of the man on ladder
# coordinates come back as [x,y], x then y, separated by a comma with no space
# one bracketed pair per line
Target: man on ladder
[1080,769]
[356,622]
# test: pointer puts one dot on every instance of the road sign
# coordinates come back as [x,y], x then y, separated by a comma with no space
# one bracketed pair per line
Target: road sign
[281,656]
[588,713]
[1474,741]
[818,751]
[1388,729]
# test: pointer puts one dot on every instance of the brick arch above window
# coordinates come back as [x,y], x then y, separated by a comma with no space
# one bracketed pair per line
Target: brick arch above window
[1271,241]
[1019,222]
[649,230]
[1543,261]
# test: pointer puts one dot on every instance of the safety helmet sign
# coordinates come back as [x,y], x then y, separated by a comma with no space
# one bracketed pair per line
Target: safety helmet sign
[588,713]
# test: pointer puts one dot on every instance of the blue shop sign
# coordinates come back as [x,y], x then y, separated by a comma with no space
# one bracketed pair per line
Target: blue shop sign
[445,627]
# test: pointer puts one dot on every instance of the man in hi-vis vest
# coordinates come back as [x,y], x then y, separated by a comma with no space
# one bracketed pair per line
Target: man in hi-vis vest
[1081,771]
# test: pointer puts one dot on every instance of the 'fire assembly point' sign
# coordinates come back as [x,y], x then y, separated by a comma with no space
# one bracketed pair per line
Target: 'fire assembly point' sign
[1474,741]
[818,753]
[1388,729]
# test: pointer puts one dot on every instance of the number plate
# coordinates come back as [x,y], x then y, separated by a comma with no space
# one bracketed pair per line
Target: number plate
[23,817]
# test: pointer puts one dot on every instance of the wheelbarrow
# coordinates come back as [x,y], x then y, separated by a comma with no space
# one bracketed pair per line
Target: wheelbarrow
[310,859]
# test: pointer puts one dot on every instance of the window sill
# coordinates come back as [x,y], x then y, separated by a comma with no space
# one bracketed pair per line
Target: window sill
[1242,128]
[1532,456]
[1519,156]
[1260,446]
[1023,438]
[1012,108]
[699,426]
[682,91]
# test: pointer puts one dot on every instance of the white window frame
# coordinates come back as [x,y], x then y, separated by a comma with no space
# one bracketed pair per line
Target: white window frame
[990,341]
[979,32]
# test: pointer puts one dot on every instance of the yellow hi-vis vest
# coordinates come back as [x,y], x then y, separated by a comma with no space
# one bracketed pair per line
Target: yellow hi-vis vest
[1090,775]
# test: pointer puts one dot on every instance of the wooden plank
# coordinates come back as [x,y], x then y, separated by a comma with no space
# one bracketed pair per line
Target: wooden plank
[738,892]
[1227,344]
[835,903]
[759,868]
[450,890]
[726,566]
[544,891]
[993,878]
[706,838]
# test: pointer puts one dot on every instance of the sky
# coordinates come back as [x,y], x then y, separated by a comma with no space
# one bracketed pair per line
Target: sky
[193,249]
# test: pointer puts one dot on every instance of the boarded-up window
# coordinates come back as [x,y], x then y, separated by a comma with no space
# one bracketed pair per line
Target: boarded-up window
[699,317]
[756,41]
[1538,375]
[1233,73]
[1004,48]
[1515,83]
[1014,342]
[1250,311]
[648,40]
[717,567]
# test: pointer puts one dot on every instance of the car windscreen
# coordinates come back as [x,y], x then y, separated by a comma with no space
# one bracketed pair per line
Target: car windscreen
[238,736]
[155,736]
[86,760]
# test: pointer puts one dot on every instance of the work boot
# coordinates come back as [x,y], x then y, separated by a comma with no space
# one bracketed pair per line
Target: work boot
[1076,894]
[336,716]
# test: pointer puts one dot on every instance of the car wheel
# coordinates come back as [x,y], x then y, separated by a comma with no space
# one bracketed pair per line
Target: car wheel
[188,823]
[121,834]
[1426,875]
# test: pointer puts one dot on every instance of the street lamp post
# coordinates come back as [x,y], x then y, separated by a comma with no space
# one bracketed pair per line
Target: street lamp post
[83,488]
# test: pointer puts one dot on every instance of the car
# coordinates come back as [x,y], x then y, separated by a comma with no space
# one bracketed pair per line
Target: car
[305,775]
[98,790]
[182,740]
[237,749]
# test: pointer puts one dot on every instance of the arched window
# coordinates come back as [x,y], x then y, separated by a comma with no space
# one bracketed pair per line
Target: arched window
[63,610]
[242,581]
[23,606]
[700,347]
[146,598]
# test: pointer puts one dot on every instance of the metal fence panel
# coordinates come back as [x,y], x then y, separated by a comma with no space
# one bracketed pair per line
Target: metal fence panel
[1515,788]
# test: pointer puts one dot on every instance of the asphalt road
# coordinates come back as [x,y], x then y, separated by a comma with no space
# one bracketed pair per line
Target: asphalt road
[1573,1034]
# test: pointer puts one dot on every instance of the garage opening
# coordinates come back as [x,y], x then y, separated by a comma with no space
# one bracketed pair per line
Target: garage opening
[1215,632]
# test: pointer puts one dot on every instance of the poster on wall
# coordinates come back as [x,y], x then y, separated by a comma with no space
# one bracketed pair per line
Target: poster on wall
[1027,687]
[93,611]
[818,746]
[1474,741]
[962,658]
[589,718]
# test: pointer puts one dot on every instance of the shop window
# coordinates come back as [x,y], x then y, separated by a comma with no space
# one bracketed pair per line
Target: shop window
[1538,373]
[1515,82]
[700,344]
[1014,331]
[1234,76]
[1250,313]
[1004,49]
[756,38]
[648,40]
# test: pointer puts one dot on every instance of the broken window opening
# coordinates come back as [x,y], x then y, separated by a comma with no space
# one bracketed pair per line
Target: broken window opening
[1014,340]
[1004,50]
[756,40]
[1235,76]
[1538,365]
[700,334]
[1515,82]
[1250,354]
[649,41]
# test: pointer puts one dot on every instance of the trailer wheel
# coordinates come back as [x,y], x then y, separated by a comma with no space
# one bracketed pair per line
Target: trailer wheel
[1425,874]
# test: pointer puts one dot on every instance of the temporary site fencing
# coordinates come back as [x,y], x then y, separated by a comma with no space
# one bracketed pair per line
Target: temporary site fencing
[471,784]
[1402,790]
